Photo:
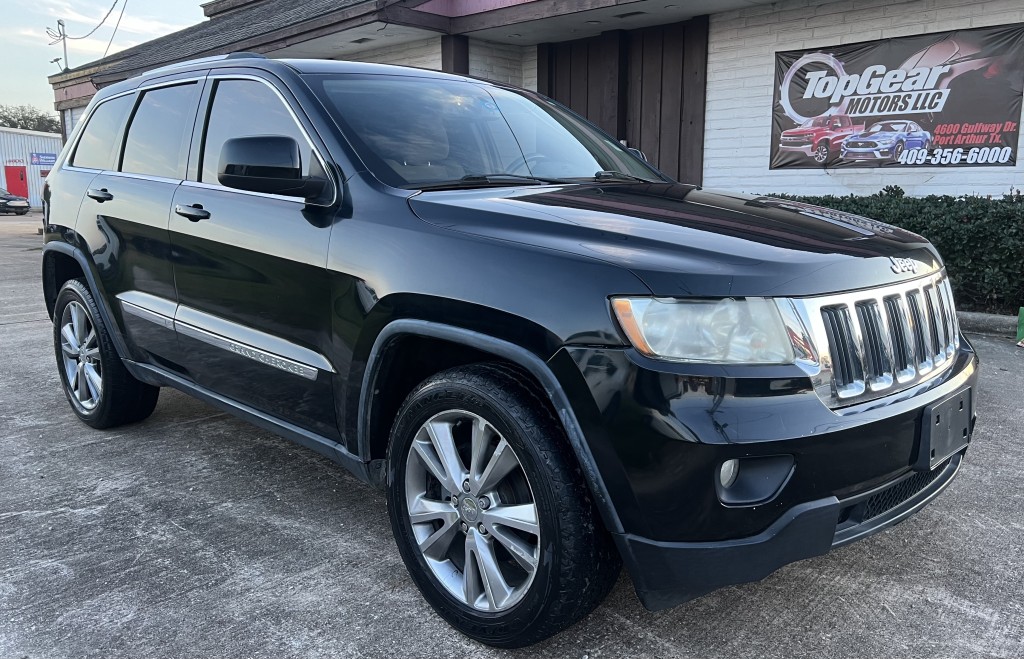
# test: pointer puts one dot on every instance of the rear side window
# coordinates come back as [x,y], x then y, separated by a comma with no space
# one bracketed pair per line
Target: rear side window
[96,147]
[157,142]
[245,108]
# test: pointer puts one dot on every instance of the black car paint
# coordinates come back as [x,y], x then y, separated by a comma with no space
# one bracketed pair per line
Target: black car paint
[523,273]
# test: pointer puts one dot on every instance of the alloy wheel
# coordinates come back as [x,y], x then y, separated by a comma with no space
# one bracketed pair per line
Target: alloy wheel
[80,350]
[477,526]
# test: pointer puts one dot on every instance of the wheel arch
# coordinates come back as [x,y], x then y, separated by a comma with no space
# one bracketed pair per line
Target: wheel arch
[62,262]
[482,347]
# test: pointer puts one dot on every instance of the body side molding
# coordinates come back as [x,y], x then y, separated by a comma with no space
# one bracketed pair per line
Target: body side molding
[505,350]
[256,345]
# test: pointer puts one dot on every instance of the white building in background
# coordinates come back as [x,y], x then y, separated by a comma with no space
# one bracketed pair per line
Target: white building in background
[27,156]
[691,83]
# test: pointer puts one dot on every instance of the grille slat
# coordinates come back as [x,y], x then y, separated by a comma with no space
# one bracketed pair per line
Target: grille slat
[877,347]
[890,336]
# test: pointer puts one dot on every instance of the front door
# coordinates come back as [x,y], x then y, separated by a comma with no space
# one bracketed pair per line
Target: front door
[17,181]
[250,268]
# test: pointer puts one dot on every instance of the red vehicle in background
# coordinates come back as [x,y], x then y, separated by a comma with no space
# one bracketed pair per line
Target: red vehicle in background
[819,136]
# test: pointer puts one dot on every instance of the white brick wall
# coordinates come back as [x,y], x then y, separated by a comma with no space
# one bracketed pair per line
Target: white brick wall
[425,54]
[500,62]
[530,67]
[516,65]
[741,61]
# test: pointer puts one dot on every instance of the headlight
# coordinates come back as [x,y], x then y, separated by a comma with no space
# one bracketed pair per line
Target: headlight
[732,331]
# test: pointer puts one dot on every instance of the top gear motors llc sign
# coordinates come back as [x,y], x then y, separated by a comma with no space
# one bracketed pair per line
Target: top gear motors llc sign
[949,99]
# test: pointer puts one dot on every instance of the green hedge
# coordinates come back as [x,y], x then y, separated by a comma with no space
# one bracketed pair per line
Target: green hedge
[981,240]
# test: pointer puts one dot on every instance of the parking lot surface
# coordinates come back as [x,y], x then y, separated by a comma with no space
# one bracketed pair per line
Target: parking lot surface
[196,534]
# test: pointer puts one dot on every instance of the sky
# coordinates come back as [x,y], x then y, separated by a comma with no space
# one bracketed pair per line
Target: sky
[25,52]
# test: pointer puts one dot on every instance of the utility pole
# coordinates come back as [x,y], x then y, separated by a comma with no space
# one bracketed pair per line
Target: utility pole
[64,40]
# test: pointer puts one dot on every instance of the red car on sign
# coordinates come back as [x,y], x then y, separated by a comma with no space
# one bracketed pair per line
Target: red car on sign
[819,136]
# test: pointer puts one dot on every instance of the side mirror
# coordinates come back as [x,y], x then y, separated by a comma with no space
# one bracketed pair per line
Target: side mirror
[638,153]
[266,163]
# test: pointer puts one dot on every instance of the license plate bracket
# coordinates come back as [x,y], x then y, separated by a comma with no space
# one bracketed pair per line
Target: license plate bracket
[945,429]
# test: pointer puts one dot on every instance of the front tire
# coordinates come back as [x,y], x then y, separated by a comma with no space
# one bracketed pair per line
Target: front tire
[101,391]
[489,510]
[821,153]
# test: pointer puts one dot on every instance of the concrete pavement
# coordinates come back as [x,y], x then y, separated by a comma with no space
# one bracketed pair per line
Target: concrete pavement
[195,534]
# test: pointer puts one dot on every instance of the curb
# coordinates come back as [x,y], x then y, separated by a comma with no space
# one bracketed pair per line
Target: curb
[987,323]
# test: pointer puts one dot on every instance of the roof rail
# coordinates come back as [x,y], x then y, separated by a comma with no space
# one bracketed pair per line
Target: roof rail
[201,60]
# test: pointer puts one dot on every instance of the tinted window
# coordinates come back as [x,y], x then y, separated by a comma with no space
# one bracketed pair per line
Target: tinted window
[157,143]
[244,108]
[413,132]
[96,147]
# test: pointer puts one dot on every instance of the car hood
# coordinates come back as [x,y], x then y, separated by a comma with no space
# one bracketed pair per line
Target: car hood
[11,197]
[800,132]
[681,240]
[884,135]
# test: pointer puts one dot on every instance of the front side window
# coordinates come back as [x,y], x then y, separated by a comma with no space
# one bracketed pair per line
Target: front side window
[95,148]
[246,108]
[418,133]
[159,133]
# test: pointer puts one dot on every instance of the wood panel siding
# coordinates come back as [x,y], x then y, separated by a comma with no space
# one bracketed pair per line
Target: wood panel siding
[646,86]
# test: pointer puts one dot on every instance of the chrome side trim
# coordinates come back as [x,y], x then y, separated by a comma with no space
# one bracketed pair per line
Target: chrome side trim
[293,367]
[265,195]
[246,336]
[149,303]
[146,314]
[253,344]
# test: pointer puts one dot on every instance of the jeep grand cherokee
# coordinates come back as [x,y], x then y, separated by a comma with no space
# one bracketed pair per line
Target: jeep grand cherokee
[554,358]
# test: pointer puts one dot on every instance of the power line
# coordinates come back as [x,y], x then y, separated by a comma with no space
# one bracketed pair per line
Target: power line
[59,35]
[116,25]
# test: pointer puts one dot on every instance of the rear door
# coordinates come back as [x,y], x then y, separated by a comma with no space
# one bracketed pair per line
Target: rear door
[124,215]
[254,315]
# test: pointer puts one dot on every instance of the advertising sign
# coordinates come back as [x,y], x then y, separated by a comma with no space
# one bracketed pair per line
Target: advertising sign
[948,99]
[47,159]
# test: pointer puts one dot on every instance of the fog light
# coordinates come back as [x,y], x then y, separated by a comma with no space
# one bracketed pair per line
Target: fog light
[727,472]
[758,480]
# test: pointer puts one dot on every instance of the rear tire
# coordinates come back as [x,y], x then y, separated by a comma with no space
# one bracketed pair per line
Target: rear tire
[473,449]
[101,391]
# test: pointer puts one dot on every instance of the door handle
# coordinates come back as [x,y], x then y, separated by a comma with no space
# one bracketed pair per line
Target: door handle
[100,195]
[192,213]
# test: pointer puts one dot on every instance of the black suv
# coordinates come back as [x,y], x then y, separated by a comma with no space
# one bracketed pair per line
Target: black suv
[554,358]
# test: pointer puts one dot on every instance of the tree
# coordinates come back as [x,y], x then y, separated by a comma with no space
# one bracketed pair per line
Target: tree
[28,117]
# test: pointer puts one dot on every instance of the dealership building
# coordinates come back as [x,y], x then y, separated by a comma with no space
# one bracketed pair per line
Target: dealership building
[794,96]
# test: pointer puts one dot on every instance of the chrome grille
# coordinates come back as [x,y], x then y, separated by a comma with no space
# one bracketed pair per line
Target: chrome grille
[876,342]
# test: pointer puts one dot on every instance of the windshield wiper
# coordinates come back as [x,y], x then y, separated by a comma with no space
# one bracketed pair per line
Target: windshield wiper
[612,175]
[484,180]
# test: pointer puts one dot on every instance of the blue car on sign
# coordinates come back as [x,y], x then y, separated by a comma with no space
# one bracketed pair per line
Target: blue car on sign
[884,140]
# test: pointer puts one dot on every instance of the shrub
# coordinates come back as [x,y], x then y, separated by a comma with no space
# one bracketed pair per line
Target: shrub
[981,240]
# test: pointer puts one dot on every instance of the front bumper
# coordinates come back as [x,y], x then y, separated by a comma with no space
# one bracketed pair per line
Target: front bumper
[14,207]
[673,573]
[660,431]
[806,149]
[866,154]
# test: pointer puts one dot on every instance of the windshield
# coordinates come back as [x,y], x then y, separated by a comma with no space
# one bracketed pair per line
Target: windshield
[815,122]
[421,133]
[2,191]
[887,127]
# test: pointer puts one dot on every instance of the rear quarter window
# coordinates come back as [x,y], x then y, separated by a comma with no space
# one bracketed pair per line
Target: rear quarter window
[95,149]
